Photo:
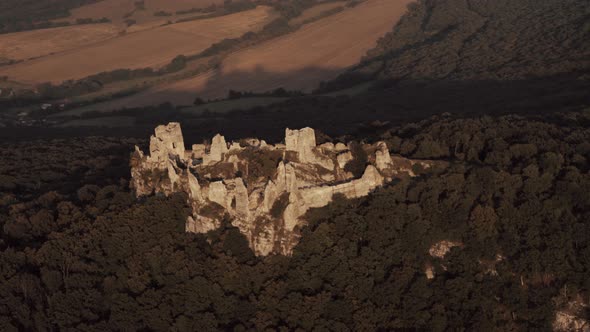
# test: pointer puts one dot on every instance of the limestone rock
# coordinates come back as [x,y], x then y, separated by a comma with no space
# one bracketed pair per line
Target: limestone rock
[218,193]
[344,158]
[371,179]
[293,212]
[382,157]
[198,151]
[201,224]
[429,271]
[172,175]
[217,150]
[139,152]
[267,208]
[565,322]
[168,140]
[271,194]
[241,199]
[235,146]
[301,141]
[571,314]
[194,188]
[328,146]
[286,177]
[442,248]
[253,142]
[339,147]
[326,163]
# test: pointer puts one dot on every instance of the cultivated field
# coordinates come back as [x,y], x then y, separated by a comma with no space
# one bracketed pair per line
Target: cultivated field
[317,52]
[36,43]
[148,48]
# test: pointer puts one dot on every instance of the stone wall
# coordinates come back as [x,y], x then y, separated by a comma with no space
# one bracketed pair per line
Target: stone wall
[308,175]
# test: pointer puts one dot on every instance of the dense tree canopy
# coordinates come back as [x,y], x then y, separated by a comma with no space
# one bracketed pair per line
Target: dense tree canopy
[479,40]
[79,251]
[18,15]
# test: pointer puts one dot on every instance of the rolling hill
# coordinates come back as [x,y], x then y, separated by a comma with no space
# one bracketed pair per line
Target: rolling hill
[148,48]
[493,40]
[18,46]
[297,61]
[495,237]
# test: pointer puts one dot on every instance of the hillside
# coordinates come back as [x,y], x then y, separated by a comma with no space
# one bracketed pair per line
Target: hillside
[102,51]
[397,93]
[300,60]
[18,15]
[481,224]
[148,48]
[485,40]
[26,45]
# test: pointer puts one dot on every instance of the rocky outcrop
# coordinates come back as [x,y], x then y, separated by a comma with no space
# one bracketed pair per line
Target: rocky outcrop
[442,248]
[302,142]
[269,208]
[565,321]
[572,315]
[382,157]
[439,250]
[217,151]
[167,141]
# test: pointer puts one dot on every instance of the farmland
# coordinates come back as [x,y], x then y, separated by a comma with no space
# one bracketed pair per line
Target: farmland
[37,43]
[298,61]
[147,48]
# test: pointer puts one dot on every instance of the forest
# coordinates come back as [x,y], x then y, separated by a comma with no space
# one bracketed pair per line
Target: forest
[482,40]
[79,251]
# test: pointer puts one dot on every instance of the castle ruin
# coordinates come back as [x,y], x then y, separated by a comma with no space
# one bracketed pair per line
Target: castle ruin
[265,189]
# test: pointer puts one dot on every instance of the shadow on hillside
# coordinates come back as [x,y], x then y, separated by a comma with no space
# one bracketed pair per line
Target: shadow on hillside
[261,80]
[399,102]
[217,84]
[395,102]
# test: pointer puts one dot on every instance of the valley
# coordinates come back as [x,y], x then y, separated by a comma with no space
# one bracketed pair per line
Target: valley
[319,51]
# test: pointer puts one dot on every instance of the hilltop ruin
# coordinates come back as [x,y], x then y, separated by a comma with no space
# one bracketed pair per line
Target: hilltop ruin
[265,189]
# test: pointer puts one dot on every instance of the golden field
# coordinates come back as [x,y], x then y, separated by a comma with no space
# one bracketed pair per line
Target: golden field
[317,52]
[147,48]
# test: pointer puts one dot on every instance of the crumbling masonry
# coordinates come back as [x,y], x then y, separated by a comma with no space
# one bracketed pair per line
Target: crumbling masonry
[268,208]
